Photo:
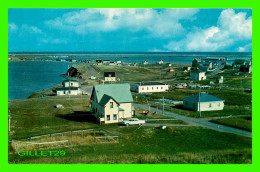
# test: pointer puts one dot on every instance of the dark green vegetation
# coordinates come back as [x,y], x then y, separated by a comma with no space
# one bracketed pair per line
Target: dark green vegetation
[38,116]
[244,123]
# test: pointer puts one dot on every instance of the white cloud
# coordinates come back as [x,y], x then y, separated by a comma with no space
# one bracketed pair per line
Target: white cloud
[12,27]
[157,22]
[30,29]
[246,48]
[54,40]
[231,28]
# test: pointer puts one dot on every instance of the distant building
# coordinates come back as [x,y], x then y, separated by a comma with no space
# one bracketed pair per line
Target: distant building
[109,76]
[246,68]
[99,62]
[160,62]
[70,83]
[171,70]
[106,62]
[197,75]
[220,80]
[70,87]
[169,64]
[145,62]
[149,87]
[204,102]
[240,62]
[67,91]
[188,68]
[111,103]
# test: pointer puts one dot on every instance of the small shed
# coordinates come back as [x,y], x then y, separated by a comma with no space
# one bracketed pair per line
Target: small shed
[110,76]
[203,102]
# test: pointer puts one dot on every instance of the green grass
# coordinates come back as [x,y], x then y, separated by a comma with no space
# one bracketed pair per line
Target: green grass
[144,144]
[244,123]
[172,145]
[140,73]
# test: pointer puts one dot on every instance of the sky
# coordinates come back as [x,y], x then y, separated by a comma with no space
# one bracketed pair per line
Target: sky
[129,30]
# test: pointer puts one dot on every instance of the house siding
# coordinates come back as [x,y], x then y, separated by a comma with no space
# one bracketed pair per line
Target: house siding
[152,88]
[204,106]
[72,92]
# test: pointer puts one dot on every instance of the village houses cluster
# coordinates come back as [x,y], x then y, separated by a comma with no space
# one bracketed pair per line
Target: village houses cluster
[112,103]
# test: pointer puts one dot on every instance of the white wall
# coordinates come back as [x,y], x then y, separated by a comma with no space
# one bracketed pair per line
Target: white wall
[71,84]
[197,76]
[152,88]
[204,106]
[110,78]
[72,92]
[111,111]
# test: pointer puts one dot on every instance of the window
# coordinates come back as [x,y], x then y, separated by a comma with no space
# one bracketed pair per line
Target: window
[152,88]
[114,117]
[69,92]
[157,88]
[147,88]
[143,88]
[64,92]
[111,104]
[71,83]
[210,105]
[161,87]
[108,117]
[218,104]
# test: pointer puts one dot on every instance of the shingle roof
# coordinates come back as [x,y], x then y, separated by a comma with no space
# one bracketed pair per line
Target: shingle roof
[204,97]
[119,92]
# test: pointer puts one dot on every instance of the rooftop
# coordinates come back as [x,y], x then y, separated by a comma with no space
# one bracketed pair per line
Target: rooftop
[150,83]
[67,88]
[119,92]
[204,97]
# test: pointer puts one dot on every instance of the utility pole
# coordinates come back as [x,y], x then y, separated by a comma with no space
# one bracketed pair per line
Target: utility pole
[199,102]
[163,106]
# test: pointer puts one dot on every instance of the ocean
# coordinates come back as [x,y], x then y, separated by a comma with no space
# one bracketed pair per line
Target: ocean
[26,77]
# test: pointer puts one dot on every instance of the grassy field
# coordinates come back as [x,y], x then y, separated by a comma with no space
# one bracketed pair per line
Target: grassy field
[244,123]
[140,73]
[144,144]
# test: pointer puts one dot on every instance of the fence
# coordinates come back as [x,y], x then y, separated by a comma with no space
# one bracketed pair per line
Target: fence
[76,137]
[39,144]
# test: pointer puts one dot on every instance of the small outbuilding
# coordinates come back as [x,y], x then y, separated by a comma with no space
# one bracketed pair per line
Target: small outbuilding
[109,76]
[197,75]
[203,102]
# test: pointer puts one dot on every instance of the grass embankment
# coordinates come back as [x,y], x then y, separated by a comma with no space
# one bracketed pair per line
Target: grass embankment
[244,123]
[139,73]
[137,144]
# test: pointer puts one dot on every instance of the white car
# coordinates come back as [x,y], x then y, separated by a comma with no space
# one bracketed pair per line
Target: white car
[133,121]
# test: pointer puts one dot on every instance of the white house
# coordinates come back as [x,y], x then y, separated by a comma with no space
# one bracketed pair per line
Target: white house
[67,91]
[220,80]
[145,62]
[70,87]
[111,103]
[149,87]
[109,76]
[197,75]
[70,83]
[204,102]
[160,62]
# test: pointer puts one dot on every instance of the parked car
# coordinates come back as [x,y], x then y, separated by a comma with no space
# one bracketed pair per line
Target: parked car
[133,121]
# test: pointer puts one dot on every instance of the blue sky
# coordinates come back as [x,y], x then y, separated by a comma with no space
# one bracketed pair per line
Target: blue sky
[129,30]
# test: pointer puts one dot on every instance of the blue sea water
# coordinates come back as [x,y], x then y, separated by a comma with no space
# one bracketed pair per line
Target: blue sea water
[26,77]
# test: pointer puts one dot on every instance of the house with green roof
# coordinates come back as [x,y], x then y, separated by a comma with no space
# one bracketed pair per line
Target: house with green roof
[111,103]
[203,102]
